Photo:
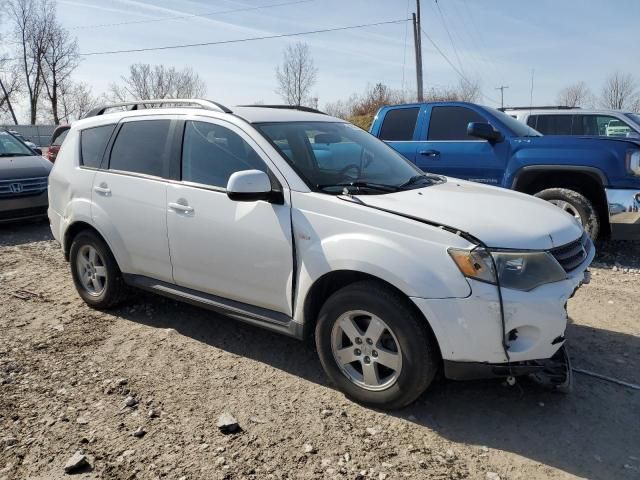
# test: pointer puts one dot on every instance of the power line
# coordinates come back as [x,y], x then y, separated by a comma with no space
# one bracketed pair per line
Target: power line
[444,23]
[455,69]
[191,15]
[241,40]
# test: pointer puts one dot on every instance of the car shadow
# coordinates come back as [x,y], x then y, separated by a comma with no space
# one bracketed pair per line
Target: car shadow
[620,254]
[590,433]
[24,231]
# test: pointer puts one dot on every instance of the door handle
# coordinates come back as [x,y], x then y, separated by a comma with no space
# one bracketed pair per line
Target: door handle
[429,153]
[102,188]
[179,207]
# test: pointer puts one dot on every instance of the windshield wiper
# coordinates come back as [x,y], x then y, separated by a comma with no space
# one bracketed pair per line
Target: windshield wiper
[360,184]
[15,155]
[431,179]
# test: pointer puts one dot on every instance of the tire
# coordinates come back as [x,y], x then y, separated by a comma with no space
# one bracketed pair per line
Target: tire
[95,272]
[575,204]
[405,341]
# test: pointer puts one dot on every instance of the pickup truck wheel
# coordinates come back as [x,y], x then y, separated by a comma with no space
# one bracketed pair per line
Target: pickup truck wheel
[575,204]
[374,346]
[95,272]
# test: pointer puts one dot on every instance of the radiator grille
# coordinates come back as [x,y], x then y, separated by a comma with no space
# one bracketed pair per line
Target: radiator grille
[19,187]
[571,255]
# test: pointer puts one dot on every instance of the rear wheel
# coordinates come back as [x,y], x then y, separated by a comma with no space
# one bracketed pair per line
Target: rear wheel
[374,346]
[576,205]
[95,272]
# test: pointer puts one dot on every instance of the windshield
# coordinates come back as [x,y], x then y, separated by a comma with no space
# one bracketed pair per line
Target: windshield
[332,157]
[518,128]
[12,147]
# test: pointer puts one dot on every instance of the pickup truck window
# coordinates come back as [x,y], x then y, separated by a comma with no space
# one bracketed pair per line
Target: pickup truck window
[450,123]
[553,124]
[399,124]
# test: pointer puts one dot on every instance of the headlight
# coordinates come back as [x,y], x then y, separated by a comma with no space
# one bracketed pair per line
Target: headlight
[517,270]
[633,162]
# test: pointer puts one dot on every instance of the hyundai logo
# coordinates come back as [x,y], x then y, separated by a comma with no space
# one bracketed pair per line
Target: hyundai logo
[15,187]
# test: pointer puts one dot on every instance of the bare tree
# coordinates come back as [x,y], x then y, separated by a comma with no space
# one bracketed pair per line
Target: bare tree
[576,95]
[297,75]
[465,91]
[158,81]
[619,91]
[9,89]
[30,31]
[60,59]
[75,100]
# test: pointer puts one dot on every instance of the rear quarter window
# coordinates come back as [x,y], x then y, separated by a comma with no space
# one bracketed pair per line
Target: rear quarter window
[93,141]
[399,124]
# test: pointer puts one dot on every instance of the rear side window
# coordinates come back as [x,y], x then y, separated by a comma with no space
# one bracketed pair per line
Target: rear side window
[554,124]
[399,124]
[92,144]
[532,120]
[140,147]
[450,123]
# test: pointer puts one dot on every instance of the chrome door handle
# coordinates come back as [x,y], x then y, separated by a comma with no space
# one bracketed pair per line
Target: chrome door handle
[178,207]
[102,188]
[430,153]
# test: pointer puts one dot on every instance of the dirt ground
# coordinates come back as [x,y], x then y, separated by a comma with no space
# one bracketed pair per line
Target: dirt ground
[66,372]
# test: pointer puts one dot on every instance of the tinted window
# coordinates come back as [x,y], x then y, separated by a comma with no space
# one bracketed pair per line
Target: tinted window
[92,144]
[450,123]
[554,124]
[140,147]
[532,120]
[211,153]
[399,124]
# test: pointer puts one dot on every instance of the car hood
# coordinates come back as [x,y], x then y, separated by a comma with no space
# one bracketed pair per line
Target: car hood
[500,218]
[24,167]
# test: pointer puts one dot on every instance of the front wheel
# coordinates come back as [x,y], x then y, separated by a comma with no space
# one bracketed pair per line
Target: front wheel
[576,205]
[374,346]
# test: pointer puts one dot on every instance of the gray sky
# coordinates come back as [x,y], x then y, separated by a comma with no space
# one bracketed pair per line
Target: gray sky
[497,42]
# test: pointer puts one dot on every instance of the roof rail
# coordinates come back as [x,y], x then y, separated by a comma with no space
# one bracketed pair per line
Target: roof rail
[288,107]
[547,107]
[138,104]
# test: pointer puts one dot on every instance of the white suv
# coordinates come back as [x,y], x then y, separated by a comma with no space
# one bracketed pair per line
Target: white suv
[305,224]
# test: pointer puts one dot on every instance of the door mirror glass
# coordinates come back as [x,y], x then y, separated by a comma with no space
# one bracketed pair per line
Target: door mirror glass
[37,150]
[484,130]
[249,186]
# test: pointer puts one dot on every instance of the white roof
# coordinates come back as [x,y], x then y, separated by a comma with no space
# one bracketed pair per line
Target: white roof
[266,114]
[560,111]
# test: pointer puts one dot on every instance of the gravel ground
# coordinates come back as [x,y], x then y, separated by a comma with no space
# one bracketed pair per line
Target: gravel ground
[73,379]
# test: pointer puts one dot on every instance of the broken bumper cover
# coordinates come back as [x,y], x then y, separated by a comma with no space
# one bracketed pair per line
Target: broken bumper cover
[469,329]
[624,213]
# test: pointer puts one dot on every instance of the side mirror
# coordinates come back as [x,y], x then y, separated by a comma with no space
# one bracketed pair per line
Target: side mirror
[37,150]
[485,131]
[251,186]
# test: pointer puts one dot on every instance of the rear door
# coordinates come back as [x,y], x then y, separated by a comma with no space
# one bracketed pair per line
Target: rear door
[129,198]
[445,147]
[398,129]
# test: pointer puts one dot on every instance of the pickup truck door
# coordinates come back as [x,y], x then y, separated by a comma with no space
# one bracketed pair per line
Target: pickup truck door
[399,127]
[445,148]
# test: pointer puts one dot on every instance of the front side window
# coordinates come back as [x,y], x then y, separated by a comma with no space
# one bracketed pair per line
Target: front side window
[140,147]
[12,147]
[612,127]
[450,123]
[93,141]
[211,153]
[399,124]
[330,157]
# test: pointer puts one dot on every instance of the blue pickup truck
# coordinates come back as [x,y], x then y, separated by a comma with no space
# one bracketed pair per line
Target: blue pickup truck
[595,179]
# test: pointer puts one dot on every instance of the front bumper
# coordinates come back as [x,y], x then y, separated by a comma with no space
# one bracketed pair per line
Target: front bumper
[624,213]
[19,208]
[469,329]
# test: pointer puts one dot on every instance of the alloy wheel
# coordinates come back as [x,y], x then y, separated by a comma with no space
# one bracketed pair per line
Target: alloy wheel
[92,270]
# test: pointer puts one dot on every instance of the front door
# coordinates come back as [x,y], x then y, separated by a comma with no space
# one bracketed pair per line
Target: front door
[129,196]
[240,251]
[445,148]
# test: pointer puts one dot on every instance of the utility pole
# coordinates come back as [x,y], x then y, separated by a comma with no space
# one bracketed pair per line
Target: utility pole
[417,42]
[501,88]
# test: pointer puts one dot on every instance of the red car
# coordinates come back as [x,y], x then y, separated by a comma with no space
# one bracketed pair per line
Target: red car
[57,138]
